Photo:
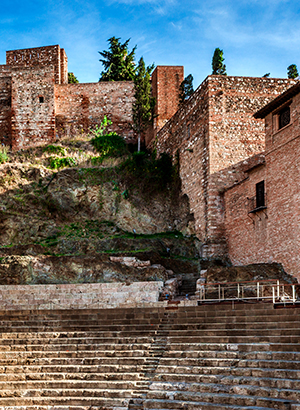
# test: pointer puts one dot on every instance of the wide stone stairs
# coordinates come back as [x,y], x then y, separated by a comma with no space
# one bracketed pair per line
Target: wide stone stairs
[210,357]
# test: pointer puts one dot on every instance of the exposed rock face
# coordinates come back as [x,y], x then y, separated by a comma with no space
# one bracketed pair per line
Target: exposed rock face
[21,270]
[41,203]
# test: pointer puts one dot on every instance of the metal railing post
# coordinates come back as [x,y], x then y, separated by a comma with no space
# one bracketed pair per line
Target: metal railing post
[278,290]
[273,289]
[238,291]
[257,290]
[294,293]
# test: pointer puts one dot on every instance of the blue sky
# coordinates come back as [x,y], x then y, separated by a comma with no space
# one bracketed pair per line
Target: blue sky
[257,36]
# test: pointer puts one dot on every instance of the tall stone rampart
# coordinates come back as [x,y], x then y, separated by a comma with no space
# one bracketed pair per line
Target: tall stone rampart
[211,132]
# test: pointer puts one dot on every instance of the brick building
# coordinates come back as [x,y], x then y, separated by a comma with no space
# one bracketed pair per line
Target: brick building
[37,105]
[217,139]
[262,216]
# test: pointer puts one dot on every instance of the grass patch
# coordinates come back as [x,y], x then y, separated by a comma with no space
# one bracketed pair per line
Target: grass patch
[55,149]
[3,154]
[57,163]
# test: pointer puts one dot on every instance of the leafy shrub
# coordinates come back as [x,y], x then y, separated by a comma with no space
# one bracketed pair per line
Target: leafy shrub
[56,163]
[55,149]
[3,154]
[110,145]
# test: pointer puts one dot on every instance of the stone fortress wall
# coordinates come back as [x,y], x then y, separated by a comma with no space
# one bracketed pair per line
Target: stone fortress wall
[37,105]
[217,139]
[219,143]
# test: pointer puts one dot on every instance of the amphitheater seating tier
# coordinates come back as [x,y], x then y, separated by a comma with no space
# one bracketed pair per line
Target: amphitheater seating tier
[209,357]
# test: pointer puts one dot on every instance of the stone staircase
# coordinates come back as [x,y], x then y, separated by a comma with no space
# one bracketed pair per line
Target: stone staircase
[210,357]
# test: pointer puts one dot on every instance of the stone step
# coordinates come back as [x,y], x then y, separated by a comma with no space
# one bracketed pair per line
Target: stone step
[217,388]
[126,354]
[241,347]
[221,312]
[195,326]
[25,360]
[107,349]
[60,408]
[98,403]
[218,398]
[181,320]
[46,385]
[80,376]
[155,404]
[69,368]
[230,371]
[65,393]
[117,349]
[235,362]
[270,382]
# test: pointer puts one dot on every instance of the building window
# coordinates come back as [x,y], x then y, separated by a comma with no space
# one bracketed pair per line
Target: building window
[284,117]
[260,195]
[258,202]
[41,99]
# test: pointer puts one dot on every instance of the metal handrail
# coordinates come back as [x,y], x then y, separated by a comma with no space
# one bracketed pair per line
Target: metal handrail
[268,289]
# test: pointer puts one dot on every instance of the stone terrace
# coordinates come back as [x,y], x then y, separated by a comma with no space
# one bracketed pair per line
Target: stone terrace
[212,357]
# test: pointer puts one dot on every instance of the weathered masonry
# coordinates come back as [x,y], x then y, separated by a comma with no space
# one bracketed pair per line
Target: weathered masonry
[37,105]
[217,139]
[262,213]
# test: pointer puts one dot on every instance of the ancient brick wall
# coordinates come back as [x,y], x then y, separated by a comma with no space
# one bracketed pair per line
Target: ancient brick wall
[33,115]
[271,234]
[5,110]
[166,81]
[212,131]
[42,56]
[79,107]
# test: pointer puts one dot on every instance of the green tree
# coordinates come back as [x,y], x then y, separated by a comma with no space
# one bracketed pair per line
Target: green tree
[142,108]
[72,79]
[118,62]
[186,88]
[218,66]
[292,71]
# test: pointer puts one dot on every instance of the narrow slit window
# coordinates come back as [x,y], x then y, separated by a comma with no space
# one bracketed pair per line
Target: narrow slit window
[41,99]
[260,194]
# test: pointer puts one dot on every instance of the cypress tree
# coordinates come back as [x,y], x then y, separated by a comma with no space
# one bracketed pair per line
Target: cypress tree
[142,108]
[218,67]
[292,71]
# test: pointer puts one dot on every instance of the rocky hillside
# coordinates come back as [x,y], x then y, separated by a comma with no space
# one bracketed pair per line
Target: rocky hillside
[64,211]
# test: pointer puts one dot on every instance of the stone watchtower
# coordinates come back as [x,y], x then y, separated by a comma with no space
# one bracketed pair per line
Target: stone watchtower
[27,105]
